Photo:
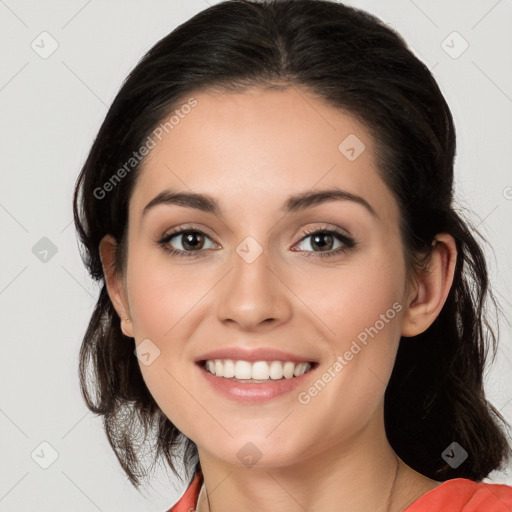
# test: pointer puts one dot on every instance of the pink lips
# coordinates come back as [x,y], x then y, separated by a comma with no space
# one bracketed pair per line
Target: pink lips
[253,391]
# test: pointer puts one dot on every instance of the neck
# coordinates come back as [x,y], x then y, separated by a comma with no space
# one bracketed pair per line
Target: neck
[369,476]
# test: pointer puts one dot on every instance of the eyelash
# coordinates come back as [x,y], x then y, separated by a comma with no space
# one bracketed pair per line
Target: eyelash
[349,243]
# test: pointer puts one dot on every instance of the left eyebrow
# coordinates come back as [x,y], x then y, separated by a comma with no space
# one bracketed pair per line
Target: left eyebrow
[313,198]
[294,203]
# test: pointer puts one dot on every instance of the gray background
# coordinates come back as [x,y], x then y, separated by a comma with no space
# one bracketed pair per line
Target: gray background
[51,109]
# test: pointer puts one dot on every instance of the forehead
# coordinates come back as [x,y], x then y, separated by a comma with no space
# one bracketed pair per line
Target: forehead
[252,149]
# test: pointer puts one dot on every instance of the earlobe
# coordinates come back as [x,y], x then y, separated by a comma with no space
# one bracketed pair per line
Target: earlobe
[432,287]
[114,283]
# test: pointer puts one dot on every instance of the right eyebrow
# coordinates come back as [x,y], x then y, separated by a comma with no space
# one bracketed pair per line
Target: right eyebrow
[201,202]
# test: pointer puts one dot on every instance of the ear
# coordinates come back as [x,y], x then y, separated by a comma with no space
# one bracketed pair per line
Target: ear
[114,282]
[431,288]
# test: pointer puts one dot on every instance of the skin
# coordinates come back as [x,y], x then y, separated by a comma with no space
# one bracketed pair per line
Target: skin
[250,151]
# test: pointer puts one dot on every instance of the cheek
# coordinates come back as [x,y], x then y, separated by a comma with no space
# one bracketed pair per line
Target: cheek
[365,330]
[360,304]
[354,297]
[162,294]
[165,301]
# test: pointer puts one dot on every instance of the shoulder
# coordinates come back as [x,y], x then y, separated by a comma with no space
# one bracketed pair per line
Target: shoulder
[188,502]
[460,494]
[464,495]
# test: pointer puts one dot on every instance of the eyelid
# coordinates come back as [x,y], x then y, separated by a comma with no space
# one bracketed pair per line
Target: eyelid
[307,231]
[188,227]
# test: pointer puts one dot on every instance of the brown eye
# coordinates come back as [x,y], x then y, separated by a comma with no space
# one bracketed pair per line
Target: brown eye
[189,242]
[326,242]
[192,240]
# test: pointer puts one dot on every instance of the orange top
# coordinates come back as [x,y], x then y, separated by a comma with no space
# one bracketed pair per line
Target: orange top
[456,495]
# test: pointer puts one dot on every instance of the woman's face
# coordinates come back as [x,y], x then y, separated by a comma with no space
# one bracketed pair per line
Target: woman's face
[265,272]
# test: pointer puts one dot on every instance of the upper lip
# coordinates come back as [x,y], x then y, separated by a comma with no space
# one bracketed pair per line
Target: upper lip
[254,354]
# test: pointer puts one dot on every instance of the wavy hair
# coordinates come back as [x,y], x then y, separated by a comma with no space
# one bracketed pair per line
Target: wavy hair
[354,62]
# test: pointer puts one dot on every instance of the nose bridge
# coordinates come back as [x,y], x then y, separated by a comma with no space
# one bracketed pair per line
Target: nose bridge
[252,294]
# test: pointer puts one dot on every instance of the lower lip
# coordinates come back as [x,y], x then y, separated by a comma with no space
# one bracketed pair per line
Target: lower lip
[254,391]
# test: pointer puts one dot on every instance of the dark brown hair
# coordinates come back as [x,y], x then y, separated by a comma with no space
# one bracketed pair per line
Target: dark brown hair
[354,62]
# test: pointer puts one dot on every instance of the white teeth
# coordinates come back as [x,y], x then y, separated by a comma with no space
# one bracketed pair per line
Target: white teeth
[275,370]
[259,370]
[229,369]
[242,369]
[300,369]
[288,369]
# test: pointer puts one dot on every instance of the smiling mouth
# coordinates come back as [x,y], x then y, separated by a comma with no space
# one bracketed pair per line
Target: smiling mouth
[257,371]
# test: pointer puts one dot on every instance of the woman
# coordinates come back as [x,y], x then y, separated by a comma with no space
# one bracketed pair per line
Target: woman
[290,303]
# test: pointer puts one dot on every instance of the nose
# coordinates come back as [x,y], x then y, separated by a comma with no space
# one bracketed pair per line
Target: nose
[253,295]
